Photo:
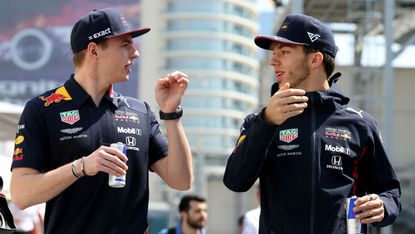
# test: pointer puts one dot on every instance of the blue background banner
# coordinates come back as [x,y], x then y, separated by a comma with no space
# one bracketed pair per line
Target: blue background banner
[35,53]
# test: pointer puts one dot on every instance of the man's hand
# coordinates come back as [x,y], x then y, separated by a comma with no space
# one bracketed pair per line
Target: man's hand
[170,90]
[106,159]
[369,209]
[284,104]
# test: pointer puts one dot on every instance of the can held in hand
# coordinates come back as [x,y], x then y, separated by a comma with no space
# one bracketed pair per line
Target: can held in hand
[118,181]
[354,226]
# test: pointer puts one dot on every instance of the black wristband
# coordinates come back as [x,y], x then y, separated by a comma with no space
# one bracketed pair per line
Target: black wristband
[170,116]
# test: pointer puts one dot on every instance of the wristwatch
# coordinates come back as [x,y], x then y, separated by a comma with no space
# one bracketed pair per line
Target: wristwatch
[173,115]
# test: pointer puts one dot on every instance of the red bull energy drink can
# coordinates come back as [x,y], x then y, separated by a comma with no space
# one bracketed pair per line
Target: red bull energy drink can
[118,181]
[354,226]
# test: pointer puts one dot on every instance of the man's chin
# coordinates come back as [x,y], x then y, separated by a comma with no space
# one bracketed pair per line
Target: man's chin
[198,225]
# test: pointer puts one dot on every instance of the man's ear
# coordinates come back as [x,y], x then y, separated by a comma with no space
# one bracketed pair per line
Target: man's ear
[92,49]
[316,59]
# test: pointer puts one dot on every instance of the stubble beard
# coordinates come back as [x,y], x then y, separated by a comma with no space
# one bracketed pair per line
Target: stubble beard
[299,75]
[194,223]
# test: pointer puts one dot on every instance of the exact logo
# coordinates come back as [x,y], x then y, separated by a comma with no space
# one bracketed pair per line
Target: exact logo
[100,34]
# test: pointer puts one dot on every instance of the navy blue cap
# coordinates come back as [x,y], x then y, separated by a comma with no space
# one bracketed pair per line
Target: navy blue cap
[298,29]
[99,25]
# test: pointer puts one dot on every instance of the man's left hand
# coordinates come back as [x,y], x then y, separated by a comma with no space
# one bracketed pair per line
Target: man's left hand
[369,209]
[170,90]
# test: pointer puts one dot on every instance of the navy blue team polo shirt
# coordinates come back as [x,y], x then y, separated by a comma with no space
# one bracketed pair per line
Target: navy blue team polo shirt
[64,124]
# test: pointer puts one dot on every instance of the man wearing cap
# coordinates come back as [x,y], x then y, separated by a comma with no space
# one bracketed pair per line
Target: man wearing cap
[309,149]
[62,154]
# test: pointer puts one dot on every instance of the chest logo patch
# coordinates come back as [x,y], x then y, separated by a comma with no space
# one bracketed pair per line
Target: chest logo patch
[336,163]
[70,117]
[337,133]
[288,135]
[121,115]
[59,95]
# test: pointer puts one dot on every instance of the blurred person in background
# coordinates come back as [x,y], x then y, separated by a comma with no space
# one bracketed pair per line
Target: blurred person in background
[241,223]
[27,221]
[251,218]
[193,216]
[310,150]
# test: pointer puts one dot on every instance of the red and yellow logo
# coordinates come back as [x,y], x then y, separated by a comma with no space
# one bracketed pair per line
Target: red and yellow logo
[60,94]
[240,140]
[18,154]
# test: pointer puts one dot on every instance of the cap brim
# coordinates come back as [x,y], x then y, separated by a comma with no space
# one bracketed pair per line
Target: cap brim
[134,33]
[265,42]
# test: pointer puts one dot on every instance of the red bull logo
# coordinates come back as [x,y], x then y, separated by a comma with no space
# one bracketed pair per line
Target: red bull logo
[18,154]
[59,95]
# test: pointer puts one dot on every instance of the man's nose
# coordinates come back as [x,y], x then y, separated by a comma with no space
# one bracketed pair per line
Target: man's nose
[135,54]
[273,60]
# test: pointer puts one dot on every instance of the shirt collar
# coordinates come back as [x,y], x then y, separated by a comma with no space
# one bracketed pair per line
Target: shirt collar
[80,96]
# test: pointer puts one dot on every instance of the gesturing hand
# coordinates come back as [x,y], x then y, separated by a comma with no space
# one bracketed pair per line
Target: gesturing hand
[170,90]
[284,104]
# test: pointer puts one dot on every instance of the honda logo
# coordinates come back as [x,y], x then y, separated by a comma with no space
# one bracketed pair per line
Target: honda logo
[336,160]
[130,141]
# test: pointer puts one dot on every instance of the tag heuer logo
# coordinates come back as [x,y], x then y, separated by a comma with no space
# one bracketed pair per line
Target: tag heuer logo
[289,135]
[70,117]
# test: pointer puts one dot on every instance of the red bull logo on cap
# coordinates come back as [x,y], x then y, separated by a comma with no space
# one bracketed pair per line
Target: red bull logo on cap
[59,95]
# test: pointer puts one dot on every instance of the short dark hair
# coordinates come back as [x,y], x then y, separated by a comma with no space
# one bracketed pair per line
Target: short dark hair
[328,61]
[185,202]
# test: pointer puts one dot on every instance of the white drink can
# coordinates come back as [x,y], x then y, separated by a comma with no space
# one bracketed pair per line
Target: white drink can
[354,226]
[118,181]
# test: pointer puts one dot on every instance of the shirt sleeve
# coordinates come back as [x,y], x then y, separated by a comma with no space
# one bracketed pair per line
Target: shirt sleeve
[158,144]
[31,137]
[379,177]
[245,162]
